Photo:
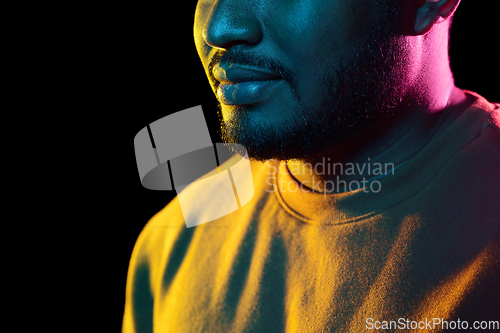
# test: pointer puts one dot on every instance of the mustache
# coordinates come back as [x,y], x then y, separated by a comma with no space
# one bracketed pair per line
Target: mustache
[253,60]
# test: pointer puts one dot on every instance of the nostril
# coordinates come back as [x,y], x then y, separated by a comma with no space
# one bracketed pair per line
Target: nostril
[225,31]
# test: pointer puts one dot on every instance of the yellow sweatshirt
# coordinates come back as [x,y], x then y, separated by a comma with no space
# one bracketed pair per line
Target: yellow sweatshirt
[420,254]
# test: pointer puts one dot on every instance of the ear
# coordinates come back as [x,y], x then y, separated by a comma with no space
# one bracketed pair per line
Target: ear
[421,15]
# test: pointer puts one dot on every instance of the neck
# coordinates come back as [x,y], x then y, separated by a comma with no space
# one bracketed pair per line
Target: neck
[380,148]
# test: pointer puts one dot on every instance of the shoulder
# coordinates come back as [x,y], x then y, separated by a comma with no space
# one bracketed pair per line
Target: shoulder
[471,175]
[485,148]
[488,112]
[209,199]
[481,149]
[212,196]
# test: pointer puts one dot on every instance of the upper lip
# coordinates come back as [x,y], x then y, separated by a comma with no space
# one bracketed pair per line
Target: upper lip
[239,73]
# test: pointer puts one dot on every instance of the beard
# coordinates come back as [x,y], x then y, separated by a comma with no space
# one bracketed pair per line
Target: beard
[359,90]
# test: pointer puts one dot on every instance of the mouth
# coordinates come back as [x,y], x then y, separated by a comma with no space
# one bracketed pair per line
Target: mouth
[242,85]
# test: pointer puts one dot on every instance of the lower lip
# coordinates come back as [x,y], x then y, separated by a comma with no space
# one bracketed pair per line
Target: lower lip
[245,93]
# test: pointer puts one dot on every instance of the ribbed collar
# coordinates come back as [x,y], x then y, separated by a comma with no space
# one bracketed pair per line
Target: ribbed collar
[406,181]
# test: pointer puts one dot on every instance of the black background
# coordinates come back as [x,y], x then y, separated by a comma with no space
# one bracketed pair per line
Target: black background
[149,68]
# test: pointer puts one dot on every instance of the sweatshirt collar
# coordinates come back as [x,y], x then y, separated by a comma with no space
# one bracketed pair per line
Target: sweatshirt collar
[391,189]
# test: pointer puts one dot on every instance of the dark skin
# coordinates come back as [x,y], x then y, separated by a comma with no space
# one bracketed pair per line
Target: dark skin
[323,111]
[391,141]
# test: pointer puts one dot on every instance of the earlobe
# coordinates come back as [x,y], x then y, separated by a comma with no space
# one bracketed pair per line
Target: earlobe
[432,12]
[425,19]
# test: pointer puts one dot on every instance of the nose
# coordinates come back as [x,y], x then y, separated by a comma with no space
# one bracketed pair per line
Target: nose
[230,23]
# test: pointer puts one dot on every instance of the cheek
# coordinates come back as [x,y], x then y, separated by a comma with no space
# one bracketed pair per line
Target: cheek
[314,30]
[307,27]
[202,13]
[310,36]
[315,35]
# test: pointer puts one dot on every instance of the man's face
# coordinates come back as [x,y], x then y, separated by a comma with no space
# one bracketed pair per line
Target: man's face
[294,77]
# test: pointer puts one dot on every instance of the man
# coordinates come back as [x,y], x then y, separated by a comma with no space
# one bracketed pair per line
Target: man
[376,180]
